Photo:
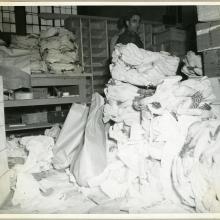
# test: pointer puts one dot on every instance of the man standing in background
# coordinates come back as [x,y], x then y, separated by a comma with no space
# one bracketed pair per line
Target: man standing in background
[130,35]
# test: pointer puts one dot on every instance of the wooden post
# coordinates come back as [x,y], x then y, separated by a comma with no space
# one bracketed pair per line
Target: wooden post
[4,174]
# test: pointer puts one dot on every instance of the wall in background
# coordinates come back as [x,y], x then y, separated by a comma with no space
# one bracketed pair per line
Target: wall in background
[169,14]
[24,19]
[7,19]
[184,15]
[35,24]
[148,12]
[27,20]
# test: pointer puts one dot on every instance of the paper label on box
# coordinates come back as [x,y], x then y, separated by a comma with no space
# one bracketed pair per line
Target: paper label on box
[211,48]
[207,30]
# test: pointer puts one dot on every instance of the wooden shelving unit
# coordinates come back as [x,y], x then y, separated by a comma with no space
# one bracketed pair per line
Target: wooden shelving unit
[47,101]
[28,127]
[47,80]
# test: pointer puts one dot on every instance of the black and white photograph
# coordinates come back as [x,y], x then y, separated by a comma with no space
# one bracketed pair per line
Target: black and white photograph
[110,109]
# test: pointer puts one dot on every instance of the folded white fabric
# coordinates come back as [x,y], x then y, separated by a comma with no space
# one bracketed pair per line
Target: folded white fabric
[192,65]
[25,42]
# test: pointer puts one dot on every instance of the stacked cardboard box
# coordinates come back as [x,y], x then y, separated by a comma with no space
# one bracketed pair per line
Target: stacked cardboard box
[172,40]
[208,38]
[208,12]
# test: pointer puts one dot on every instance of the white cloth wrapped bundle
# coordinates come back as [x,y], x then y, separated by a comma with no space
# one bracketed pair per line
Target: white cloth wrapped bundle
[25,42]
[121,72]
[120,113]
[60,42]
[193,65]
[13,57]
[37,63]
[55,56]
[40,153]
[59,68]
[50,32]
[120,91]
[35,54]
[51,43]
[38,66]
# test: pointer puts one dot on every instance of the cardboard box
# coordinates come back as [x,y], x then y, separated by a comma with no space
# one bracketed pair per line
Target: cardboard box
[171,34]
[57,116]
[12,119]
[208,35]
[34,118]
[40,93]
[173,47]
[159,28]
[208,12]
[211,61]
[215,82]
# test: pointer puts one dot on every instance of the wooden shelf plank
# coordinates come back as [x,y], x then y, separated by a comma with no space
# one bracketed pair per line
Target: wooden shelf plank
[47,101]
[63,76]
[29,126]
[49,16]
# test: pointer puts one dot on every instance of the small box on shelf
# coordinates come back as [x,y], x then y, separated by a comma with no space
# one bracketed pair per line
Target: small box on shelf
[40,92]
[171,34]
[34,118]
[57,116]
[173,47]
[12,119]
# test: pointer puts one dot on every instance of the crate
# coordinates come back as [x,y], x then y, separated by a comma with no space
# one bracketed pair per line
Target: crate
[34,118]
[12,119]
[208,12]
[215,82]
[171,34]
[158,28]
[173,47]
[57,116]
[211,61]
[208,35]
[40,92]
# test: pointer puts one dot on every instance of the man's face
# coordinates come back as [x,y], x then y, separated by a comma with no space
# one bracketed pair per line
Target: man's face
[134,23]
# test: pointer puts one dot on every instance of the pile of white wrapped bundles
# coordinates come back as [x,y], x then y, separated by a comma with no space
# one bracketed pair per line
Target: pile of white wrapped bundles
[55,50]
[38,188]
[59,49]
[163,150]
